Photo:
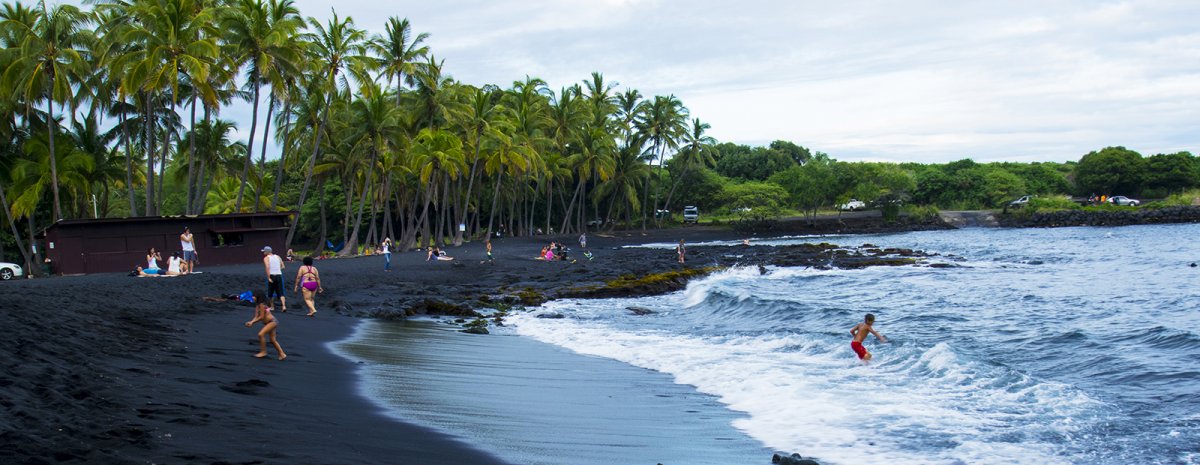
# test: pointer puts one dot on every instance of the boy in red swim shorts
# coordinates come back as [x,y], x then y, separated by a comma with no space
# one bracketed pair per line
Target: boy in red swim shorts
[859,332]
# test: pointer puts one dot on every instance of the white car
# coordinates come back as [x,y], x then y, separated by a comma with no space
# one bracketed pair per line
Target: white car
[852,205]
[1021,202]
[1124,201]
[691,214]
[10,270]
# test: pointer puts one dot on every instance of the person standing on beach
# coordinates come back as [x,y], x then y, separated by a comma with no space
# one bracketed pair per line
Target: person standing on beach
[681,251]
[273,265]
[859,332]
[387,253]
[309,279]
[189,250]
[262,312]
[583,241]
[490,258]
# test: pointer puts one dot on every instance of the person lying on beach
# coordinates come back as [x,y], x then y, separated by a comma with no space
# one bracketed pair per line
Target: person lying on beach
[147,273]
[262,312]
[859,332]
[308,278]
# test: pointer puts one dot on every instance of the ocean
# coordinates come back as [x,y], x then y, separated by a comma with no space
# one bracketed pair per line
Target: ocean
[1047,346]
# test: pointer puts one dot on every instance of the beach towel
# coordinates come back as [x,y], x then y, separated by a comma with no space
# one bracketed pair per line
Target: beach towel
[247,296]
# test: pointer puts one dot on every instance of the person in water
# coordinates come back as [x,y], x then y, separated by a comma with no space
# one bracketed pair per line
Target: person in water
[262,313]
[308,279]
[859,332]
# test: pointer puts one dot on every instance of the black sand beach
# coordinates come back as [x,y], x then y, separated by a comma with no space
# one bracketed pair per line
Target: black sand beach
[115,369]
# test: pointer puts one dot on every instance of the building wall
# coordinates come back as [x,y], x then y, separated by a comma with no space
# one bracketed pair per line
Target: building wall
[97,246]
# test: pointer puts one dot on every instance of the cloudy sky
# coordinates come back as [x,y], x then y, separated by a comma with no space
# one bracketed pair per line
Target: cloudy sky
[923,81]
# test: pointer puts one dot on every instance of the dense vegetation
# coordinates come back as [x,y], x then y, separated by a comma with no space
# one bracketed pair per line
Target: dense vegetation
[117,111]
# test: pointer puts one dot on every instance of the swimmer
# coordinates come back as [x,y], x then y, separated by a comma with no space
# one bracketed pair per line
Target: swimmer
[859,332]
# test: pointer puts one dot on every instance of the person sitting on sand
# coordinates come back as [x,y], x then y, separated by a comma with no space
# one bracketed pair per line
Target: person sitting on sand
[175,265]
[308,279]
[152,258]
[859,332]
[262,312]
[549,256]
[441,254]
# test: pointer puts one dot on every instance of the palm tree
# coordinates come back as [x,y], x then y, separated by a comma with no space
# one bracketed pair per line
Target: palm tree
[375,125]
[332,46]
[481,125]
[173,45]
[52,56]
[258,34]
[397,53]
[662,122]
[697,152]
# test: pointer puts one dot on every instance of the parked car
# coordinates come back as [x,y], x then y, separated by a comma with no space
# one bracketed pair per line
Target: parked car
[596,222]
[1124,201]
[852,205]
[10,270]
[691,214]
[660,213]
[1021,202]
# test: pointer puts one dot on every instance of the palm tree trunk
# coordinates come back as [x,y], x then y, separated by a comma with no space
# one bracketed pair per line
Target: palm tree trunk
[495,197]
[191,159]
[147,121]
[671,193]
[128,165]
[458,236]
[367,185]
[249,144]
[312,161]
[162,165]
[12,224]
[51,124]
[571,207]
[287,136]
[262,159]
[324,222]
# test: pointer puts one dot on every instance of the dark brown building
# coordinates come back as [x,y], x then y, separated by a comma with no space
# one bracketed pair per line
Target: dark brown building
[120,244]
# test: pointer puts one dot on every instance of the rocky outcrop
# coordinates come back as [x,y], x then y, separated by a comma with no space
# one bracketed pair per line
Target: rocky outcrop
[794,459]
[1124,217]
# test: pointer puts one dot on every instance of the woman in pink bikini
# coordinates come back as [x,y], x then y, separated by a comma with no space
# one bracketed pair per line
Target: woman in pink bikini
[309,279]
[262,312]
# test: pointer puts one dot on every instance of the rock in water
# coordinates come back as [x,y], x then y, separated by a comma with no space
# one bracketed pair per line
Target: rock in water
[639,310]
[793,459]
[552,316]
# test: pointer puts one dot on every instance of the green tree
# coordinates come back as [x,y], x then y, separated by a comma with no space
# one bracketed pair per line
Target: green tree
[1112,170]
[51,56]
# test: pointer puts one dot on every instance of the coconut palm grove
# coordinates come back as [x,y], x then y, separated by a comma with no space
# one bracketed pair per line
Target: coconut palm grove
[118,110]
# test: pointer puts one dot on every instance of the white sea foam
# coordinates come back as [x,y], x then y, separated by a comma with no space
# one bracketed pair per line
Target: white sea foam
[807,393]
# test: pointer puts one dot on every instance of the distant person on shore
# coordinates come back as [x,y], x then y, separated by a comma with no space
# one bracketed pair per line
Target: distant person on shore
[681,251]
[583,241]
[290,256]
[308,279]
[189,250]
[152,258]
[262,312]
[273,266]
[859,332]
[386,250]
[490,259]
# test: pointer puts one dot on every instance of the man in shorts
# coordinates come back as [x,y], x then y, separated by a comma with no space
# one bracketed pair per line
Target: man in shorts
[273,265]
[189,250]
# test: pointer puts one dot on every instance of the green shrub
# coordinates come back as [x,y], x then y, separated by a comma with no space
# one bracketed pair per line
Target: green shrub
[921,212]
[1051,203]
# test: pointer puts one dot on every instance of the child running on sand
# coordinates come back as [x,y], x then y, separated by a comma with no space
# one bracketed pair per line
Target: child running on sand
[262,312]
[859,332]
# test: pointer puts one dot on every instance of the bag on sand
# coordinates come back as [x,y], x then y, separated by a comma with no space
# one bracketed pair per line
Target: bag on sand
[247,296]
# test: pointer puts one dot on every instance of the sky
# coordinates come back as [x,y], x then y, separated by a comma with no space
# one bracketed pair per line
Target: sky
[921,81]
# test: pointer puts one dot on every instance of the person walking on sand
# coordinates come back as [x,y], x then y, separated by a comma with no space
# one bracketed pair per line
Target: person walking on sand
[262,312]
[490,258]
[189,250]
[386,250]
[308,279]
[681,251]
[583,241]
[859,332]
[273,265]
